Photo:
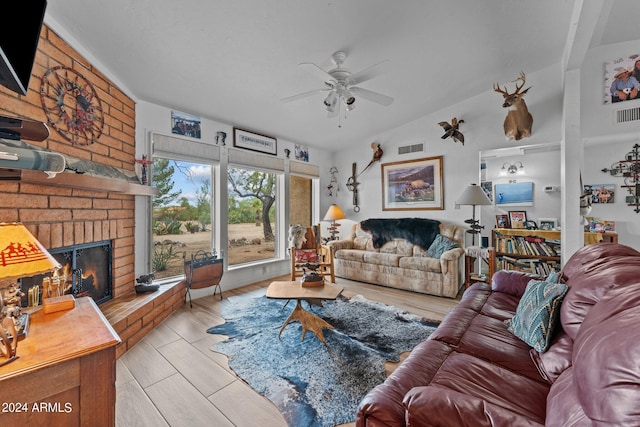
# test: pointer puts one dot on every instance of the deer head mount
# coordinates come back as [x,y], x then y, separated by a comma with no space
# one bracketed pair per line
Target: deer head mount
[517,124]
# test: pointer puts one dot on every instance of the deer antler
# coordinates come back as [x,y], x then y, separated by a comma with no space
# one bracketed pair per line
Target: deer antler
[496,87]
[524,80]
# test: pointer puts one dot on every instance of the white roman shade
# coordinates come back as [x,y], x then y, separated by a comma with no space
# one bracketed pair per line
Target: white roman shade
[261,161]
[182,149]
[304,169]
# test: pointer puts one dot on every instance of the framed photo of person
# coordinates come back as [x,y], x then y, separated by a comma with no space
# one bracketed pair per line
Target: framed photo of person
[502,221]
[517,219]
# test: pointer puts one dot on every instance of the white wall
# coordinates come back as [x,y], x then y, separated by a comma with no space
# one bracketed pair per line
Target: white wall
[606,142]
[483,130]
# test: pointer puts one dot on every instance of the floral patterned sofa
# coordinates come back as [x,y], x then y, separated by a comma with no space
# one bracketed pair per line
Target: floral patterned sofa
[404,255]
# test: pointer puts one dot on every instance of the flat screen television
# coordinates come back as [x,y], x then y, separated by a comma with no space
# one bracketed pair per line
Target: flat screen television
[18,45]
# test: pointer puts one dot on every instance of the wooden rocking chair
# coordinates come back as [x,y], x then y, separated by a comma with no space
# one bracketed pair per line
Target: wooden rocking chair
[201,271]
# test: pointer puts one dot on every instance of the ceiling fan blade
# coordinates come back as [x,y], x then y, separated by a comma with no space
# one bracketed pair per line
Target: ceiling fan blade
[369,73]
[372,96]
[312,68]
[304,95]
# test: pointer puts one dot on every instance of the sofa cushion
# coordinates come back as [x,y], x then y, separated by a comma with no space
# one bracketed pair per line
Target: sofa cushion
[511,282]
[380,258]
[537,312]
[556,359]
[420,263]
[440,245]
[475,378]
[351,254]
[610,336]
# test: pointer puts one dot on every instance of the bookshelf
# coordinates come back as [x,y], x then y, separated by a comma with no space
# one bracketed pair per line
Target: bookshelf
[534,251]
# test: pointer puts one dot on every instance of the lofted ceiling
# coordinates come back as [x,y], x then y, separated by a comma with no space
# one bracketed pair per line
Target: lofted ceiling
[233,61]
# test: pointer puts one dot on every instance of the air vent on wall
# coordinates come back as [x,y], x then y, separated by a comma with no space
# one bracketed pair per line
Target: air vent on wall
[411,148]
[628,115]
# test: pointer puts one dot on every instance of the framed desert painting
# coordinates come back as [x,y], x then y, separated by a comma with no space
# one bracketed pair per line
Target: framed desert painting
[413,185]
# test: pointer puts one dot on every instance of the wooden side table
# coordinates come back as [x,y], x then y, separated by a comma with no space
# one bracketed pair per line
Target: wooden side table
[66,372]
[472,253]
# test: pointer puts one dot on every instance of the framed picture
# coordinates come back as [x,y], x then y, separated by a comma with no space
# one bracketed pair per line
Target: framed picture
[413,185]
[514,194]
[502,221]
[618,79]
[487,186]
[185,124]
[601,193]
[517,219]
[301,152]
[254,141]
[548,223]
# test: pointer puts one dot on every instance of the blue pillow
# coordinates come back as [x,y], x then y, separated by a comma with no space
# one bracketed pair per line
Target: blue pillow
[440,245]
[537,312]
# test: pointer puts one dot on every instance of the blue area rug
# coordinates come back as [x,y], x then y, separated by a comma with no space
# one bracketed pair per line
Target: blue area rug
[311,384]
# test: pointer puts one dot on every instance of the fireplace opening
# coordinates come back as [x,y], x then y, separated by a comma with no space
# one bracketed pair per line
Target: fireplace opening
[86,271]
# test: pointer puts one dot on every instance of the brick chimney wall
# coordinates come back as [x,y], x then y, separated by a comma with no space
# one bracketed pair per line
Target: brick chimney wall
[62,216]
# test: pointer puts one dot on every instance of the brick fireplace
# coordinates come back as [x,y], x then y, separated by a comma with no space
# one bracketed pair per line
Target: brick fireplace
[59,213]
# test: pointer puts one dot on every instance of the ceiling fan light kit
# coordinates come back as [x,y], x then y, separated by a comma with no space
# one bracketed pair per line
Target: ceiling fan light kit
[342,85]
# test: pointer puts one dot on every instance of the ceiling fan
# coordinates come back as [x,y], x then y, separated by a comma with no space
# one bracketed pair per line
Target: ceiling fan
[342,85]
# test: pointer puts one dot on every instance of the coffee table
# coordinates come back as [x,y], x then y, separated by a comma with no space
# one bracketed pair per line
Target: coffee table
[288,290]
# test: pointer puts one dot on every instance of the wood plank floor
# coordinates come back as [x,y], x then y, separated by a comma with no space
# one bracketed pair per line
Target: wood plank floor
[173,378]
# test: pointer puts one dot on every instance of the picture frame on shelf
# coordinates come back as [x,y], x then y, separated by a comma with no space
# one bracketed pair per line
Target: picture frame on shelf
[548,223]
[413,185]
[502,221]
[254,141]
[517,219]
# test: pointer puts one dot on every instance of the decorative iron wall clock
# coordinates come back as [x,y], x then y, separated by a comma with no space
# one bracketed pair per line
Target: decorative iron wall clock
[72,105]
[629,169]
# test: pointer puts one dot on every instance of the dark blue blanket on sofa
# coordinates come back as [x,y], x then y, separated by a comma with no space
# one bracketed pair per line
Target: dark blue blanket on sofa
[419,231]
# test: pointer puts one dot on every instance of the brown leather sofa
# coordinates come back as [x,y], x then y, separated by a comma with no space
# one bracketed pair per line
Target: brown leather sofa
[473,372]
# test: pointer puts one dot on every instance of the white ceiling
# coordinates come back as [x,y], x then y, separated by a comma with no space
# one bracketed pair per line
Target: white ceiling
[232,61]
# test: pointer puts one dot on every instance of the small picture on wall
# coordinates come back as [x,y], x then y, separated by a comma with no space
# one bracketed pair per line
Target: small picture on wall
[514,194]
[622,79]
[185,124]
[302,153]
[517,219]
[601,193]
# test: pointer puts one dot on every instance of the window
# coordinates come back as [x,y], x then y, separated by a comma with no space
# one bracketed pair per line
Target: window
[252,219]
[181,220]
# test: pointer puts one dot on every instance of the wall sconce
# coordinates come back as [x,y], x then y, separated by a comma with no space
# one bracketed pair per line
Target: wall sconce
[516,168]
[21,255]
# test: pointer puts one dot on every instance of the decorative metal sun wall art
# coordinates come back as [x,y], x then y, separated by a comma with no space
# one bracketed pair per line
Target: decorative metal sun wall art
[72,105]
[629,169]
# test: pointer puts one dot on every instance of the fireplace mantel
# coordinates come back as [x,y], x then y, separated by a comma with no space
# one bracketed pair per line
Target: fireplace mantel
[78,181]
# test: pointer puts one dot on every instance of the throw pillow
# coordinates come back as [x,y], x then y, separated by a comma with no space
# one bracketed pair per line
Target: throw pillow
[440,245]
[537,312]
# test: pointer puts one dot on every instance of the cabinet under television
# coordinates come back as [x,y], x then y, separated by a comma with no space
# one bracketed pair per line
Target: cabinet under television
[534,251]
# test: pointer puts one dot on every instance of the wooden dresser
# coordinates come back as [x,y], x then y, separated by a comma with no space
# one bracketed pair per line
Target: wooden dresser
[65,375]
